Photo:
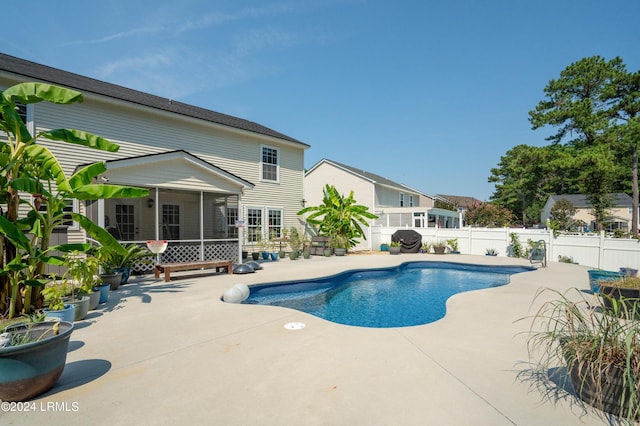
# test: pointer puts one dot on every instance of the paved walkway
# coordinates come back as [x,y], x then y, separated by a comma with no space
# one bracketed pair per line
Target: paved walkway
[172,353]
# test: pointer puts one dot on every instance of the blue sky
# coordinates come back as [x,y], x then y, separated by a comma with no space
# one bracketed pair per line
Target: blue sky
[426,93]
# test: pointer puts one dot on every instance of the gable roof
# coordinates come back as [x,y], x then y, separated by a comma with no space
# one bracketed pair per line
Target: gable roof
[368,176]
[187,169]
[619,199]
[179,154]
[84,84]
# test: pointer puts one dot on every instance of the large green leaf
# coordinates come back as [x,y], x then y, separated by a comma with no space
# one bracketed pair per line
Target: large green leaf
[27,184]
[96,191]
[85,175]
[99,234]
[71,247]
[28,93]
[15,235]
[11,121]
[50,163]
[80,137]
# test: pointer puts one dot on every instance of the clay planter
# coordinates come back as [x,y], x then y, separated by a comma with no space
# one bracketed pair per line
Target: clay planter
[94,299]
[82,306]
[31,369]
[113,280]
[394,250]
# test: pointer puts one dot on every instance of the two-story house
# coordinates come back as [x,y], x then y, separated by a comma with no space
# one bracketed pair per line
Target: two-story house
[619,215]
[216,181]
[395,204]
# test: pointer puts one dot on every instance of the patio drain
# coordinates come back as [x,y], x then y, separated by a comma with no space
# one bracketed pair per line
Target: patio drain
[294,325]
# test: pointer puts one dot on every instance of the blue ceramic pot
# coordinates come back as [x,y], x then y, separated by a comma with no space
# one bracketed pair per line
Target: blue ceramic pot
[31,369]
[67,314]
[104,293]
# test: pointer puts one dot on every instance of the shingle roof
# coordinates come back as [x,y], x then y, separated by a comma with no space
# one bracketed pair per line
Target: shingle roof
[381,180]
[460,200]
[580,200]
[89,85]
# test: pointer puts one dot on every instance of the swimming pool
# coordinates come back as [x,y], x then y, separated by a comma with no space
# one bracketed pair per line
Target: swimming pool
[412,293]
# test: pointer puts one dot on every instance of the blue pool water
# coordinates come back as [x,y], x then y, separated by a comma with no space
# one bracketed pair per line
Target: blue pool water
[413,293]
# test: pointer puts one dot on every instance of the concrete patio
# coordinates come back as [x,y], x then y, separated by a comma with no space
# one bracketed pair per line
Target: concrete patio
[172,353]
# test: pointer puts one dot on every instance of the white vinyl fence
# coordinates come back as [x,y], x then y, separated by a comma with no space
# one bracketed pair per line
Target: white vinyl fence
[593,250]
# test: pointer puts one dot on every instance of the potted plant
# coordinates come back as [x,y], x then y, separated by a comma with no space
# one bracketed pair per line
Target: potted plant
[273,253]
[426,247]
[601,352]
[284,239]
[439,247]
[491,252]
[124,262]
[339,244]
[295,243]
[263,247]
[453,246]
[394,247]
[306,247]
[599,275]
[81,274]
[105,256]
[32,358]
[53,294]
[339,215]
[624,291]
[632,272]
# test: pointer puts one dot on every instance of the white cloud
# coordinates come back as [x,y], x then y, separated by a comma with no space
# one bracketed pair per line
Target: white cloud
[112,37]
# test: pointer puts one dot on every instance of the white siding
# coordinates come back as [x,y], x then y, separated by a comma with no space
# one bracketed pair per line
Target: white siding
[344,182]
[141,131]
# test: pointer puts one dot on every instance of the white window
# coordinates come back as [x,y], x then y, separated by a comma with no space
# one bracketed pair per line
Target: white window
[232,217]
[275,223]
[26,113]
[401,199]
[270,164]
[71,206]
[170,221]
[254,225]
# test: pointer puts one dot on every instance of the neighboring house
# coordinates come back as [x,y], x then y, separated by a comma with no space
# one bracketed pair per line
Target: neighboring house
[214,180]
[394,203]
[619,214]
[463,202]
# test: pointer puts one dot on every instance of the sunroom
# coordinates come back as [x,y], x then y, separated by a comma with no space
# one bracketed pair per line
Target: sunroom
[193,204]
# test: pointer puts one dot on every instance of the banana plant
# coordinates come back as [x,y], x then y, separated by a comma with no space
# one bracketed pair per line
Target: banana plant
[339,217]
[28,167]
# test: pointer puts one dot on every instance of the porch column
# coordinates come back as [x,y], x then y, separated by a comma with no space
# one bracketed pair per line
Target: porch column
[240,229]
[201,225]
[156,212]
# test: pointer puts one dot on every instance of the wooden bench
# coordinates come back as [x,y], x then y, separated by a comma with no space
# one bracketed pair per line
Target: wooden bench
[167,268]
[318,244]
